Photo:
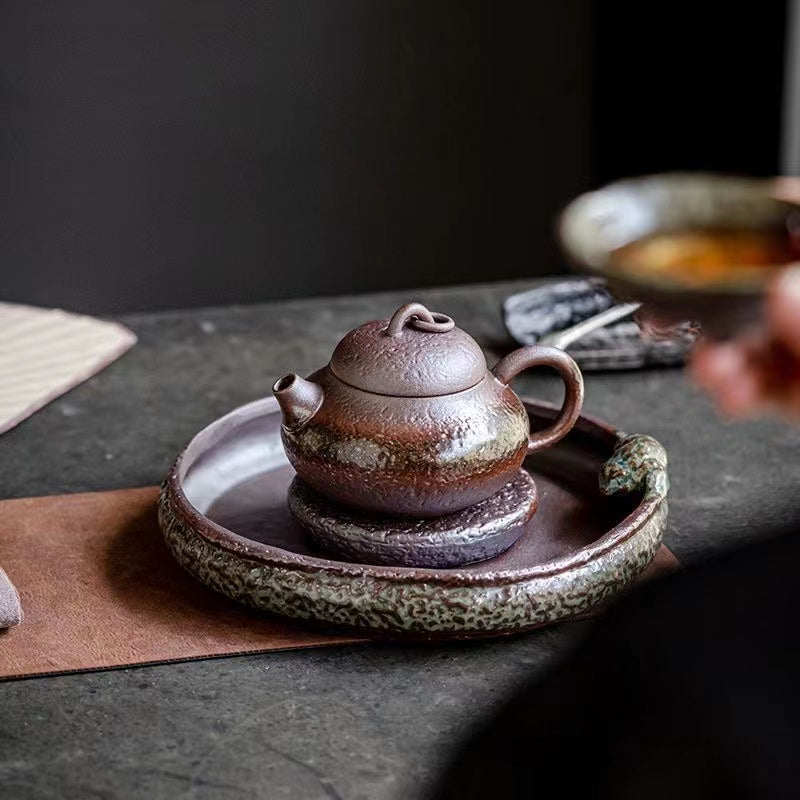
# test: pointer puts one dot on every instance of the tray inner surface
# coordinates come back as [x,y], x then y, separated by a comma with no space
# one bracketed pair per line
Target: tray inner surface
[238,476]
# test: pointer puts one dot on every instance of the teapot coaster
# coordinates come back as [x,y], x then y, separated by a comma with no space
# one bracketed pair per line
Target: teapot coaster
[477,533]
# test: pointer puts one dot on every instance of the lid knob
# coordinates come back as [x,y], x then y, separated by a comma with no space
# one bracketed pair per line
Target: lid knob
[420,318]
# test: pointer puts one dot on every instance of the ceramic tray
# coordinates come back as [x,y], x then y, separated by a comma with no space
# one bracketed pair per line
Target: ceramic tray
[224,515]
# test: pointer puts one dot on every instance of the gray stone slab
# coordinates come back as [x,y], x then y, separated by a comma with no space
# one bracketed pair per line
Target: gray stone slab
[357,722]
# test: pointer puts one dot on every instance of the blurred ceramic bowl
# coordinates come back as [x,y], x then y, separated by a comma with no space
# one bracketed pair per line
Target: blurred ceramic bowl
[598,223]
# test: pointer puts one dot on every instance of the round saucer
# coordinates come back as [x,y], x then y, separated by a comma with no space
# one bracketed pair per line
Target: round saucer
[473,534]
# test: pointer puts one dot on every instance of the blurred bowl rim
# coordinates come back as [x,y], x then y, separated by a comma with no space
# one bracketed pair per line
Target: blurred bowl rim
[595,257]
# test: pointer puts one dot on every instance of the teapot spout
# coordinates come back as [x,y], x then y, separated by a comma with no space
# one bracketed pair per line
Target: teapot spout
[298,398]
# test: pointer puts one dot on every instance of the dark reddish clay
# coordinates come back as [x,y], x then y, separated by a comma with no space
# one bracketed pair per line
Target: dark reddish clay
[407,419]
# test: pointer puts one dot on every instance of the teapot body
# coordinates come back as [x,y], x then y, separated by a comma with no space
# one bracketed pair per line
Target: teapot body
[406,419]
[412,456]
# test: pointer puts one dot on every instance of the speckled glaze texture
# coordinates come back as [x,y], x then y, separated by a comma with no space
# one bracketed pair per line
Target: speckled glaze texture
[638,462]
[427,602]
[417,456]
[476,533]
[558,305]
[403,604]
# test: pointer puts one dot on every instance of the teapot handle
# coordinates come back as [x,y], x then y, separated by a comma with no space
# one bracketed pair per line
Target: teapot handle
[535,355]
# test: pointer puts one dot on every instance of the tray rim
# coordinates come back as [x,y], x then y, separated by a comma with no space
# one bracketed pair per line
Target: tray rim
[423,602]
[272,556]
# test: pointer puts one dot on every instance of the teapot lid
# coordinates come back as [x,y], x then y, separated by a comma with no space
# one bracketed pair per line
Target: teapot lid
[416,353]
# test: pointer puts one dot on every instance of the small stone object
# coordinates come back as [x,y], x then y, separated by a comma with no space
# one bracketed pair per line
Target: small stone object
[10,607]
[473,534]
[556,306]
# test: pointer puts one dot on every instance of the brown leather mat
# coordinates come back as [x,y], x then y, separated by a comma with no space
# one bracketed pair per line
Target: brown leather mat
[99,590]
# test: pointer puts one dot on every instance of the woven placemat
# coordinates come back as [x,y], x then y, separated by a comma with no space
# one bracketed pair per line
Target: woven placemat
[100,590]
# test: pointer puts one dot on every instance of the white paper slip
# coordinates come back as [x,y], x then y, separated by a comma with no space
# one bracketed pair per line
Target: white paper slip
[45,352]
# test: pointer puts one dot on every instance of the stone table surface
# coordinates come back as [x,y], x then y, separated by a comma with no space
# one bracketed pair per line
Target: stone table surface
[367,722]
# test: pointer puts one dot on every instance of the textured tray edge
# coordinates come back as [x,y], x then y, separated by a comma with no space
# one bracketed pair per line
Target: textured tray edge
[391,601]
[378,603]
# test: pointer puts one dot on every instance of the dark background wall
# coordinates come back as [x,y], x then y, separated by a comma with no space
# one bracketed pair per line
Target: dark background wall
[162,154]
[687,85]
[186,152]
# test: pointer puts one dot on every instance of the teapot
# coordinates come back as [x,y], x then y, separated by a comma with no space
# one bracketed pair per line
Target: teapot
[407,419]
